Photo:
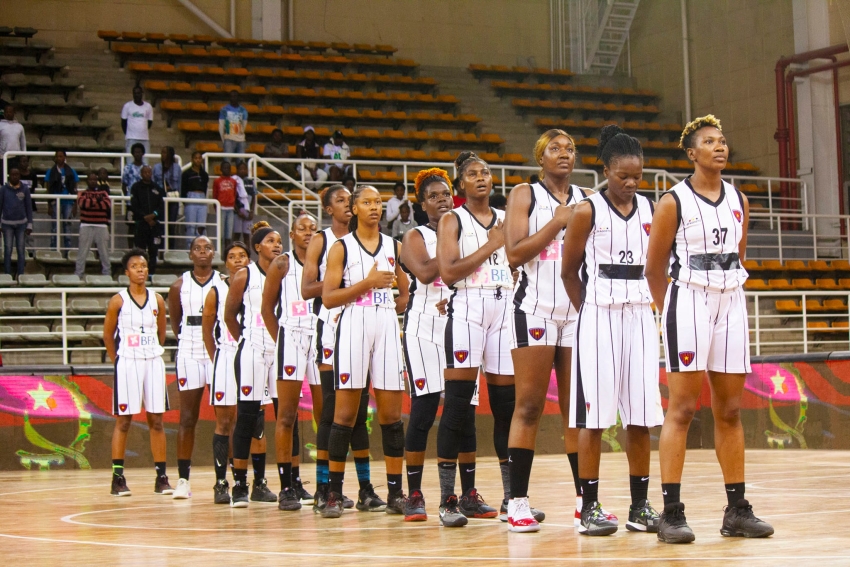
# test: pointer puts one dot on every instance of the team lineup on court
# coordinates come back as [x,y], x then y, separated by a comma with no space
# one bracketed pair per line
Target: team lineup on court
[565,279]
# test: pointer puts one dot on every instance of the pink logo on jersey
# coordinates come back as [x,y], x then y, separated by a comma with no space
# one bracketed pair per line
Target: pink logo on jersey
[738,215]
[133,341]
[122,407]
[219,396]
[646,226]
[461,355]
[391,260]
[299,309]
[537,333]
[479,276]
[181,381]
[327,352]
[290,370]
[258,321]
[438,282]
[365,300]
[687,357]
[420,383]
[344,377]
[552,252]
[246,390]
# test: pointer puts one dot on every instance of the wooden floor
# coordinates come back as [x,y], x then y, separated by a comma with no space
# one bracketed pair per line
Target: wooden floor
[69,518]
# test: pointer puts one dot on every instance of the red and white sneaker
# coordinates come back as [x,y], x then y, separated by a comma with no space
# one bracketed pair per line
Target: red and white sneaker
[520,518]
[577,517]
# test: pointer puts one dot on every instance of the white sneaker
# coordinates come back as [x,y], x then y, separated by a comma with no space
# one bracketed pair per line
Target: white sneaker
[520,518]
[183,490]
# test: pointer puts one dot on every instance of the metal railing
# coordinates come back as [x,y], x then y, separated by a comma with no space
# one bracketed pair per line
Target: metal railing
[816,237]
[123,159]
[775,332]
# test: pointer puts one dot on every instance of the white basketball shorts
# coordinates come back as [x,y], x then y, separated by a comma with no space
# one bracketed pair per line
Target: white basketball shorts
[139,380]
[368,343]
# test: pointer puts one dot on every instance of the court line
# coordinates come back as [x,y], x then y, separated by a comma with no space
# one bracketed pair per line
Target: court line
[49,489]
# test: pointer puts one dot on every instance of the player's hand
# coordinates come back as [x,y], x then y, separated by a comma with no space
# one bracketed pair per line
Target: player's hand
[441,306]
[401,304]
[563,213]
[496,235]
[379,279]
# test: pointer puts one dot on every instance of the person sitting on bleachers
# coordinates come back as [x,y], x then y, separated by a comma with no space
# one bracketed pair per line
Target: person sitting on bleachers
[350,182]
[12,136]
[136,121]
[61,179]
[194,185]
[336,148]
[403,223]
[277,148]
[147,201]
[15,219]
[232,121]
[308,149]
[95,209]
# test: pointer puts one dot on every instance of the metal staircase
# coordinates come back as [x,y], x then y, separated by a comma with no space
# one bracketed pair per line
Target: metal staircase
[599,30]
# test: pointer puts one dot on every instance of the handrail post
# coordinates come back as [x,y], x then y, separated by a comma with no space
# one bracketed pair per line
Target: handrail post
[805,326]
[64,328]
[770,202]
[758,326]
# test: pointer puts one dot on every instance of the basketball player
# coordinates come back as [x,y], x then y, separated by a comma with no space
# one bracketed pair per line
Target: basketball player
[699,233]
[544,321]
[335,201]
[133,334]
[361,271]
[472,262]
[221,348]
[292,323]
[254,356]
[616,340]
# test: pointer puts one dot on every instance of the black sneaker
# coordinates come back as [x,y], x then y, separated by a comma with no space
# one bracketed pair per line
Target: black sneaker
[305,497]
[119,486]
[161,486]
[414,507]
[333,506]
[320,499]
[672,525]
[472,505]
[239,496]
[538,515]
[260,492]
[220,492]
[739,521]
[396,503]
[368,501]
[347,502]
[288,500]
[643,518]
[450,516]
[594,522]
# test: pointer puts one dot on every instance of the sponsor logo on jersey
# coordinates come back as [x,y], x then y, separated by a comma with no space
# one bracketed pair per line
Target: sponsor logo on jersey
[552,252]
[219,396]
[299,308]
[122,407]
[691,221]
[603,229]
[687,357]
[438,282]
[376,298]
[461,355]
[290,370]
[344,377]
[495,275]
[420,383]
[136,341]
[246,390]
[537,333]
[327,352]
[738,215]
[646,226]
[181,381]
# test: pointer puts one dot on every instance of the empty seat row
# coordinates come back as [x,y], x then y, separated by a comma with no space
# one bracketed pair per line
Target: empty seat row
[797,265]
[519,72]
[559,107]
[812,306]
[797,284]
[574,91]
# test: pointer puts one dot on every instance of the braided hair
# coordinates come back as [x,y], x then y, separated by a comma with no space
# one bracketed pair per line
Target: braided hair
[615,143]
[462,161]
[352,223]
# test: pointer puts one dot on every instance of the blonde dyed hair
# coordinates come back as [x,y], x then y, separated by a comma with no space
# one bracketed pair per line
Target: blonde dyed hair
[686,140]
[543,141]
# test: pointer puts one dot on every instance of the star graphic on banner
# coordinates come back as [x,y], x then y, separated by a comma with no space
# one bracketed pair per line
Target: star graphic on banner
[42,398]
[779,386]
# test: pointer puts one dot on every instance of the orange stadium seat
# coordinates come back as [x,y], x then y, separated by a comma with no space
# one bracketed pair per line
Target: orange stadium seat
[788,306]
[189,126]
[780,285]
[756,285]
[795,265]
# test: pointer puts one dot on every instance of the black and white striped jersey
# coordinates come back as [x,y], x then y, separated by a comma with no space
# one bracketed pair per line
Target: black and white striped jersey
[253,328]
[190,341]
[325,314]
[540,290]
[422,313]
[358,263]
[705,251]
[495,272]
[136,334]
[294,312]
[612,271]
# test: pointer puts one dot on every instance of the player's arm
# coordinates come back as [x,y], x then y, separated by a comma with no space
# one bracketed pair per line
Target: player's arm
[661,237]
[416,259]
[175,306]
[208,317]
[110,324]
[271,293]
[311,287]
[521,247]
[402,282]
[453,268]
[160,319]
[742,245]
[335,296]
[234,302]
[577,233]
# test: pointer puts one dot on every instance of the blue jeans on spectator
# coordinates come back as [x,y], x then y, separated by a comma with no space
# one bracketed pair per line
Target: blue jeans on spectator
[196,214]
[227,223]
[66,206]
[233,147]
[16,232]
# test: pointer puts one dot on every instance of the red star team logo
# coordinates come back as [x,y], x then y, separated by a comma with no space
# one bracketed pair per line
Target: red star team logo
[327,352]
[182,381]
[246,390]
[290,370]
[219,396]
[122,407]
[738,215]
[537,333]
[391,260]
[156,312]
[461,355]
[646,226]
[687,357]
[587,406]
[420,383]
[344,377]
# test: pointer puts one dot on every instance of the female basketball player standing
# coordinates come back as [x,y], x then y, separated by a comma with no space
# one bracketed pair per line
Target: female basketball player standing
[616,341]
[699,236]
[361,270]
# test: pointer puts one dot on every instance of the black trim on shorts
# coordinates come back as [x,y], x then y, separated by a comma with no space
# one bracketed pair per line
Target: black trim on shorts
[115,387]
[449,341]
[672,331]
[336,351]
[319,354]
[237,370]
[676,266]
[279,354]
[581,407]
[521,328]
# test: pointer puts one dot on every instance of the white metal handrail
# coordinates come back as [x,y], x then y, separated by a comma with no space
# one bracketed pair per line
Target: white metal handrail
[123,158]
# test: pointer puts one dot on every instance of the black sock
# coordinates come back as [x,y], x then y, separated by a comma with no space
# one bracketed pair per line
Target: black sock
[734,492]
[296,474]
[364,472]
[519,462]
[220,450]
[118,467]
[589,492]
[639,487]
[573,458]
[285,472]
[336,480]
[448,472]
[183,468]
[160,468]
[414,477]
[467,476]
[671,492]
[240,477]
[258,460]
[394,484]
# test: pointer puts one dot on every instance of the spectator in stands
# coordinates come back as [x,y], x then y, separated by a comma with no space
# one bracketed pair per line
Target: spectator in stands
[336,148]
[403,223]
[131,175]
[61,179]
[232,120]
[103,179]
[394,204]
[459,197]
[147,201]
[12,136]
[420,217]
[277,148]
[309,149]
[95,210]
[350,183]
[225,190]
[168,175]
[136,122]
[15,219]
[498,201]
[244,205]
[194,186]
[29,180]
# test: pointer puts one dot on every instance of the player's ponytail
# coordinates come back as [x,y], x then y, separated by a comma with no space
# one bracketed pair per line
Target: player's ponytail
[258,232]
[615,143]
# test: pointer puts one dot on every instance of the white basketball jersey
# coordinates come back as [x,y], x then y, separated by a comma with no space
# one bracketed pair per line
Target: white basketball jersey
[253,328]
[422,319]
[136,334]
[705,251]
[293,311]
[495,272]
[223,338]
[324,313]
[358,263]
[540,290]
[615,253]
[190,341]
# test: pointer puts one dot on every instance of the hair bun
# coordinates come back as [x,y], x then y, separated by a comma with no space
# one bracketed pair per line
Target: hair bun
[463,157]
[258,225]
[608,132]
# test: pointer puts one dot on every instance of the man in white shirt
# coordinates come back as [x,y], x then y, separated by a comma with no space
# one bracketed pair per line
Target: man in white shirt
[12,136]
[337,149]
[136,121]
[394,206]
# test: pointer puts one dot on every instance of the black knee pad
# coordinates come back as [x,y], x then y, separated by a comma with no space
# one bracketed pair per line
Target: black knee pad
[260,425]
[246,423]
[469,443]
[338,443]
[360,434]
[458,396]
[423,411]
[393,438]
[296,440]
[502,403]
